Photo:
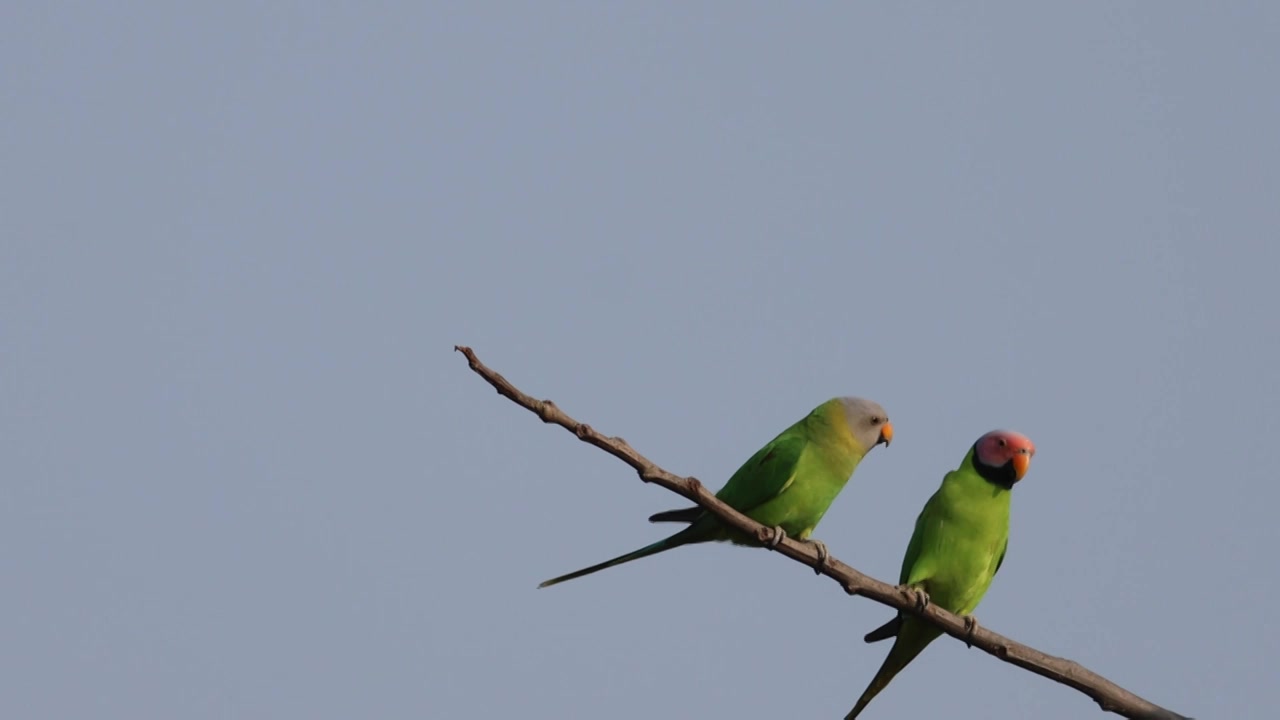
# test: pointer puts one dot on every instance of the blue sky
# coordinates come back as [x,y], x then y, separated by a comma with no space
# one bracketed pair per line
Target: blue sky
[246,476]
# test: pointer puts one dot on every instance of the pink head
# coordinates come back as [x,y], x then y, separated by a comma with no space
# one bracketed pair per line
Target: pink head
[1003,456]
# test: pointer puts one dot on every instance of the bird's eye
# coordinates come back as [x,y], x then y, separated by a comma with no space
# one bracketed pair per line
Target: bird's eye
[875,420]
[1002,442]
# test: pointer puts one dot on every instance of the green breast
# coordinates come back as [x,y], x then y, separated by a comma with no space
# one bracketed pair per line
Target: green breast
[966,527]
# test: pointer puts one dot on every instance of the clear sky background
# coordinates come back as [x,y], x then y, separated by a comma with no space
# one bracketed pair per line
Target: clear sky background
[244,474]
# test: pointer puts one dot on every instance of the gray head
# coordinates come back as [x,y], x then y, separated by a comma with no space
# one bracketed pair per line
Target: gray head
[868,422]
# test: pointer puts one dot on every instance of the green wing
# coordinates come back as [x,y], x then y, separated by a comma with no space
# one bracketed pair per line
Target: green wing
[913,571]
[1003,550]
[910,573]
[767,473]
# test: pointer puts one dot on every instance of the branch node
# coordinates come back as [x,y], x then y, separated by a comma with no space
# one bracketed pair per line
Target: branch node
[850,588]
[583,431]
[546,409]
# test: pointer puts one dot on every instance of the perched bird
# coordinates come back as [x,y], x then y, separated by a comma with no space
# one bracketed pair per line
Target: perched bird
[957,547]
[788,484]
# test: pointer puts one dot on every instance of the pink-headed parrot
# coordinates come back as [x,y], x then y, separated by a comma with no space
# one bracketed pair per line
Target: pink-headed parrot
[958,546]
[788,484]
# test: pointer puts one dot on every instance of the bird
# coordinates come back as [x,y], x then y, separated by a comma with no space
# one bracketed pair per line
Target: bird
[788,484]
[957,548]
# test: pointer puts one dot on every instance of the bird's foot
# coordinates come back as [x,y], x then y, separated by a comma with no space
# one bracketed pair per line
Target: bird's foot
[918,594]
[777,536]
[970,627]
[821,548]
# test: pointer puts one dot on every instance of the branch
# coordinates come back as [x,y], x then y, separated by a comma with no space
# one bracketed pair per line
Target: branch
[1110,696]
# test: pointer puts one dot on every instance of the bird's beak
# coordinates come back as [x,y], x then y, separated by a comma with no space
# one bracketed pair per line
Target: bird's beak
[886,434]
[1021,463]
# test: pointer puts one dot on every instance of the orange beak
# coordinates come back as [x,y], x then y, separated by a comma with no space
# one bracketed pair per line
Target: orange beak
[886,434]
[1021,463]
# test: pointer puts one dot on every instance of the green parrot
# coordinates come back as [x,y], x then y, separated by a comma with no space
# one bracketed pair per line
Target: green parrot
[957,547]
[788,484]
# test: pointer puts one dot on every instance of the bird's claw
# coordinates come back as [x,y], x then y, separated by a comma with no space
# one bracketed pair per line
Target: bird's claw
[820,548]
[921,597]
[970,627]
[778,535]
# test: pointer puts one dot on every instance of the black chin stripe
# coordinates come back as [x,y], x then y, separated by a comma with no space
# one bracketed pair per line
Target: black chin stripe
[1004,476]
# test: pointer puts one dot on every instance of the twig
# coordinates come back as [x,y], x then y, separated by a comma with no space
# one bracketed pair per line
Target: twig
[1110,696]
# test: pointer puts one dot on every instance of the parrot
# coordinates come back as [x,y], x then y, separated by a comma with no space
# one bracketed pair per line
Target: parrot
[788,484]
[957,547]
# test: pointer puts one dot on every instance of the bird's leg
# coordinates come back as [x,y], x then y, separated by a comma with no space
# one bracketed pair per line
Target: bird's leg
[821,548]
[778,535]
[921,597]
[970,626]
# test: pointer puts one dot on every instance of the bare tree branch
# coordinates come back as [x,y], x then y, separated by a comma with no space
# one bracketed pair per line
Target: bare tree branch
[1110,696]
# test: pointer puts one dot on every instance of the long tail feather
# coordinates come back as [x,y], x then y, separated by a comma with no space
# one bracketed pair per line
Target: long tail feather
[684,515]
[676,540]
[885,631]
[905,649]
